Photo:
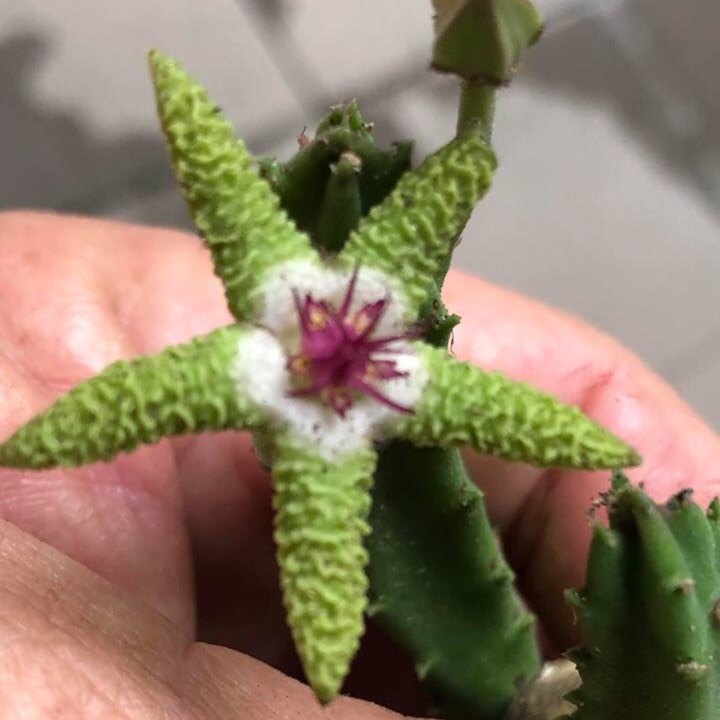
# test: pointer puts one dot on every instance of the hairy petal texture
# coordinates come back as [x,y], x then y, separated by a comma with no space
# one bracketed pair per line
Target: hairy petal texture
[411,234]
[320,524]
[186,388]
[463,405]
[234,209]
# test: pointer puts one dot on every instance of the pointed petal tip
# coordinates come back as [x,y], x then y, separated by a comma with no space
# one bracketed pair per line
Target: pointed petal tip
[620,454]
[6,458]
[161,67]
[326,678]
[325,690]
[156,60]
[615,455]
[164,68]
[16,455]
[465,405]
[635,459]
[326,670]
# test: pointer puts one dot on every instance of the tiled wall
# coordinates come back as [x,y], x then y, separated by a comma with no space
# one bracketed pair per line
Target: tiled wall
[607,202]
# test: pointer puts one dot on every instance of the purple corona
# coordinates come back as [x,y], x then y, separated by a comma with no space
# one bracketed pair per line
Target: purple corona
[339,357]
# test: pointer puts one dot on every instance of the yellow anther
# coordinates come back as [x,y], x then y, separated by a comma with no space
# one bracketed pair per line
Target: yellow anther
[361,322]
[317,318]
[299,364]
[371,372]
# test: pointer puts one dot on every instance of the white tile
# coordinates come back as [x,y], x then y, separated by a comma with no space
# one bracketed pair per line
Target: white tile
[97,68]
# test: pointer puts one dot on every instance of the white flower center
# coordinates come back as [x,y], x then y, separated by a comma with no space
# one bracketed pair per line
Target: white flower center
[261,365]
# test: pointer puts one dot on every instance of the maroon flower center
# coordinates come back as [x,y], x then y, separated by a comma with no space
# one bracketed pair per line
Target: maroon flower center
[339,359]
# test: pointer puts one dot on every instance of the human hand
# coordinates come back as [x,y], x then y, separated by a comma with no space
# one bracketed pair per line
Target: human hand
[176,539]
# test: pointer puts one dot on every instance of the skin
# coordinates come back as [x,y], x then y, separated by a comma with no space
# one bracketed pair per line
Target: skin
[116,570]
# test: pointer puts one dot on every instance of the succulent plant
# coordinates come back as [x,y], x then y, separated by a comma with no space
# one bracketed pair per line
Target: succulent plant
[425,509]
[324,359]
[650,611]
[336,177]
[483,40]
[332,265]
[440,586]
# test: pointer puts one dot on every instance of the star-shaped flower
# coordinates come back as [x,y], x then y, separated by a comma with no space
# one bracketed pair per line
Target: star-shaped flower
[323,361]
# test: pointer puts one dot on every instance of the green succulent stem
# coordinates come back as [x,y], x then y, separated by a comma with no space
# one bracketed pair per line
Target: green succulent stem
[649,612]
[441,587]
[477,106]
[337,177]
[341,207]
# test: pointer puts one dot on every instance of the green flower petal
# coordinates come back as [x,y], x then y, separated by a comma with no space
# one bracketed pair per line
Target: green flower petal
[187,388]
[235,210]
[320,523]
[463,405]
[410,236]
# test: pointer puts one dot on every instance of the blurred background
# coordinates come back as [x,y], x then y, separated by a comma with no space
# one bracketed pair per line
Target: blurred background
[607,201]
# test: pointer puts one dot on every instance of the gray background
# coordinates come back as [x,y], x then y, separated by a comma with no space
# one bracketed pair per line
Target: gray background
[607,199]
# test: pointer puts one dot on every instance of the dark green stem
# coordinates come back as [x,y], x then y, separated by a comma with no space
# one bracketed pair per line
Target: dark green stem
[441,587]
[341,209]
[649,612]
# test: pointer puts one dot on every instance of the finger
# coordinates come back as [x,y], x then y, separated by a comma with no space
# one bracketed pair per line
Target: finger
[127,660]
[543,514]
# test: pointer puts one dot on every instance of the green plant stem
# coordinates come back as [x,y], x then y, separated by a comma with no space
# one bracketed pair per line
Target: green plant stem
[441,587]
[432,544]
[477,104]
[648,612]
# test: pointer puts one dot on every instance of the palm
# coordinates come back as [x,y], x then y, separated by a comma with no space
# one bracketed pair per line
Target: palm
[190,519]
